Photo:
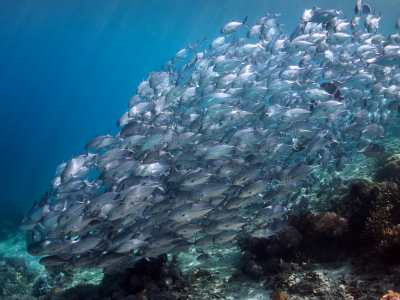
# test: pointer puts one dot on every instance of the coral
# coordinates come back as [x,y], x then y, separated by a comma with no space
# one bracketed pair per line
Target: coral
[243,240]
[375,217]
[284,246]
[279,295]
[247,256]
[391,296]
[387,167]
[181,284]
[165,282]
[16,277]
[139,283]
[309,236]
[251,268]
[171,272]
[323,235]
[79,292]
[50,294]
[202,273]
[302,288]
[42,285]
[373,214]
[330,225]
[384,224]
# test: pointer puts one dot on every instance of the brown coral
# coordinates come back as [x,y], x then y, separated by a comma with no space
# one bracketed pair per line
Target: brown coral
[391,296]
[279,295]
[373,213]
[331,225]
[383,224]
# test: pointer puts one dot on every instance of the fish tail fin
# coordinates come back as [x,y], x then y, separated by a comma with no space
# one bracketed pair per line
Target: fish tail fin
[244,23]
[315,7]
[51,194]
[297,81]
[128,148]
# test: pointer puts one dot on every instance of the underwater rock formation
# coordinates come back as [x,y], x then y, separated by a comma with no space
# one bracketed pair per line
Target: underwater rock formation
[149,280]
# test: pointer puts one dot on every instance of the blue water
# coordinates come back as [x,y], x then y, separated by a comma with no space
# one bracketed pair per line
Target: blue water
[68,69]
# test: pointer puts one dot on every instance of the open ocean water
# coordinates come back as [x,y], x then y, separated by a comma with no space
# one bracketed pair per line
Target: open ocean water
[68,70]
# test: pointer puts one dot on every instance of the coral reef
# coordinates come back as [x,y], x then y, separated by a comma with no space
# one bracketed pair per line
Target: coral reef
[50,284]
[308,237]
[16,277]
[373,213]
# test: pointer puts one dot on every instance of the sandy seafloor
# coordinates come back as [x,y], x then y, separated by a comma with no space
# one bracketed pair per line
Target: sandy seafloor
[225,279]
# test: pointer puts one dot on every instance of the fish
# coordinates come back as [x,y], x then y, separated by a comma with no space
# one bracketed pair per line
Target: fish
[372,150]
[233,27]
[297,207]
[262,233]
[357,7]
[366,9]
[205,241]
[271,212]
[203,257]
[322,16]
[225,236]
[220,139]
[190,211]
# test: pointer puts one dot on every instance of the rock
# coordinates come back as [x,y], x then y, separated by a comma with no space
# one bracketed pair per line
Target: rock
[152,288]
[253,269]
[246,256]
[166,282]
[202,273]
[182,284]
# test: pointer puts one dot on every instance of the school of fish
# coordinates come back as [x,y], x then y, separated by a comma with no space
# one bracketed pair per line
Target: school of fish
[239,135]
